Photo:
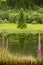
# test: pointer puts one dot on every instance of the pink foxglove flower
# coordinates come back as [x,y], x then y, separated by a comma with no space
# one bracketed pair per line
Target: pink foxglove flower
[39,48]
[3,45]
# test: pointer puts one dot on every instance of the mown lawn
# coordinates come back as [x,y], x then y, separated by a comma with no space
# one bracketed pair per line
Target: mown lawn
[31,28]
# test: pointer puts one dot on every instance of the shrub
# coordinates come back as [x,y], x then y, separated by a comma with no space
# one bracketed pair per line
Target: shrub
[37,17]
[4,15]
[13,18]
[34,22]
[27,19]
[5,21]
[1,21]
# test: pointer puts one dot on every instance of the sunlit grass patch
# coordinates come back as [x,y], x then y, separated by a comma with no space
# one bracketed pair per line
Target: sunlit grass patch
[12,28]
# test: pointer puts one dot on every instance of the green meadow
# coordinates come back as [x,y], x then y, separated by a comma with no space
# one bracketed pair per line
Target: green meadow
[31,28]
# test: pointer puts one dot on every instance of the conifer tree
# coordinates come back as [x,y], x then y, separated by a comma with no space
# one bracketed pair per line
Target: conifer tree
[21,21]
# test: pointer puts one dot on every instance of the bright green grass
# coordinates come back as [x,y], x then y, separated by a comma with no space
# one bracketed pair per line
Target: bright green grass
[12,28]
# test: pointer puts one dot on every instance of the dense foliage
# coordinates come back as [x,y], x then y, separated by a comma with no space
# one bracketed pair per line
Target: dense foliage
[30,16]
[25,44]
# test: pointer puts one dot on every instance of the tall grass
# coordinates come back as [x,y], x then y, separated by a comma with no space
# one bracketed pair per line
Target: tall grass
[18,60]
[12,59]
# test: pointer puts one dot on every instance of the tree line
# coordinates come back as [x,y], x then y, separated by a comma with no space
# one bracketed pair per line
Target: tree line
[22,3]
